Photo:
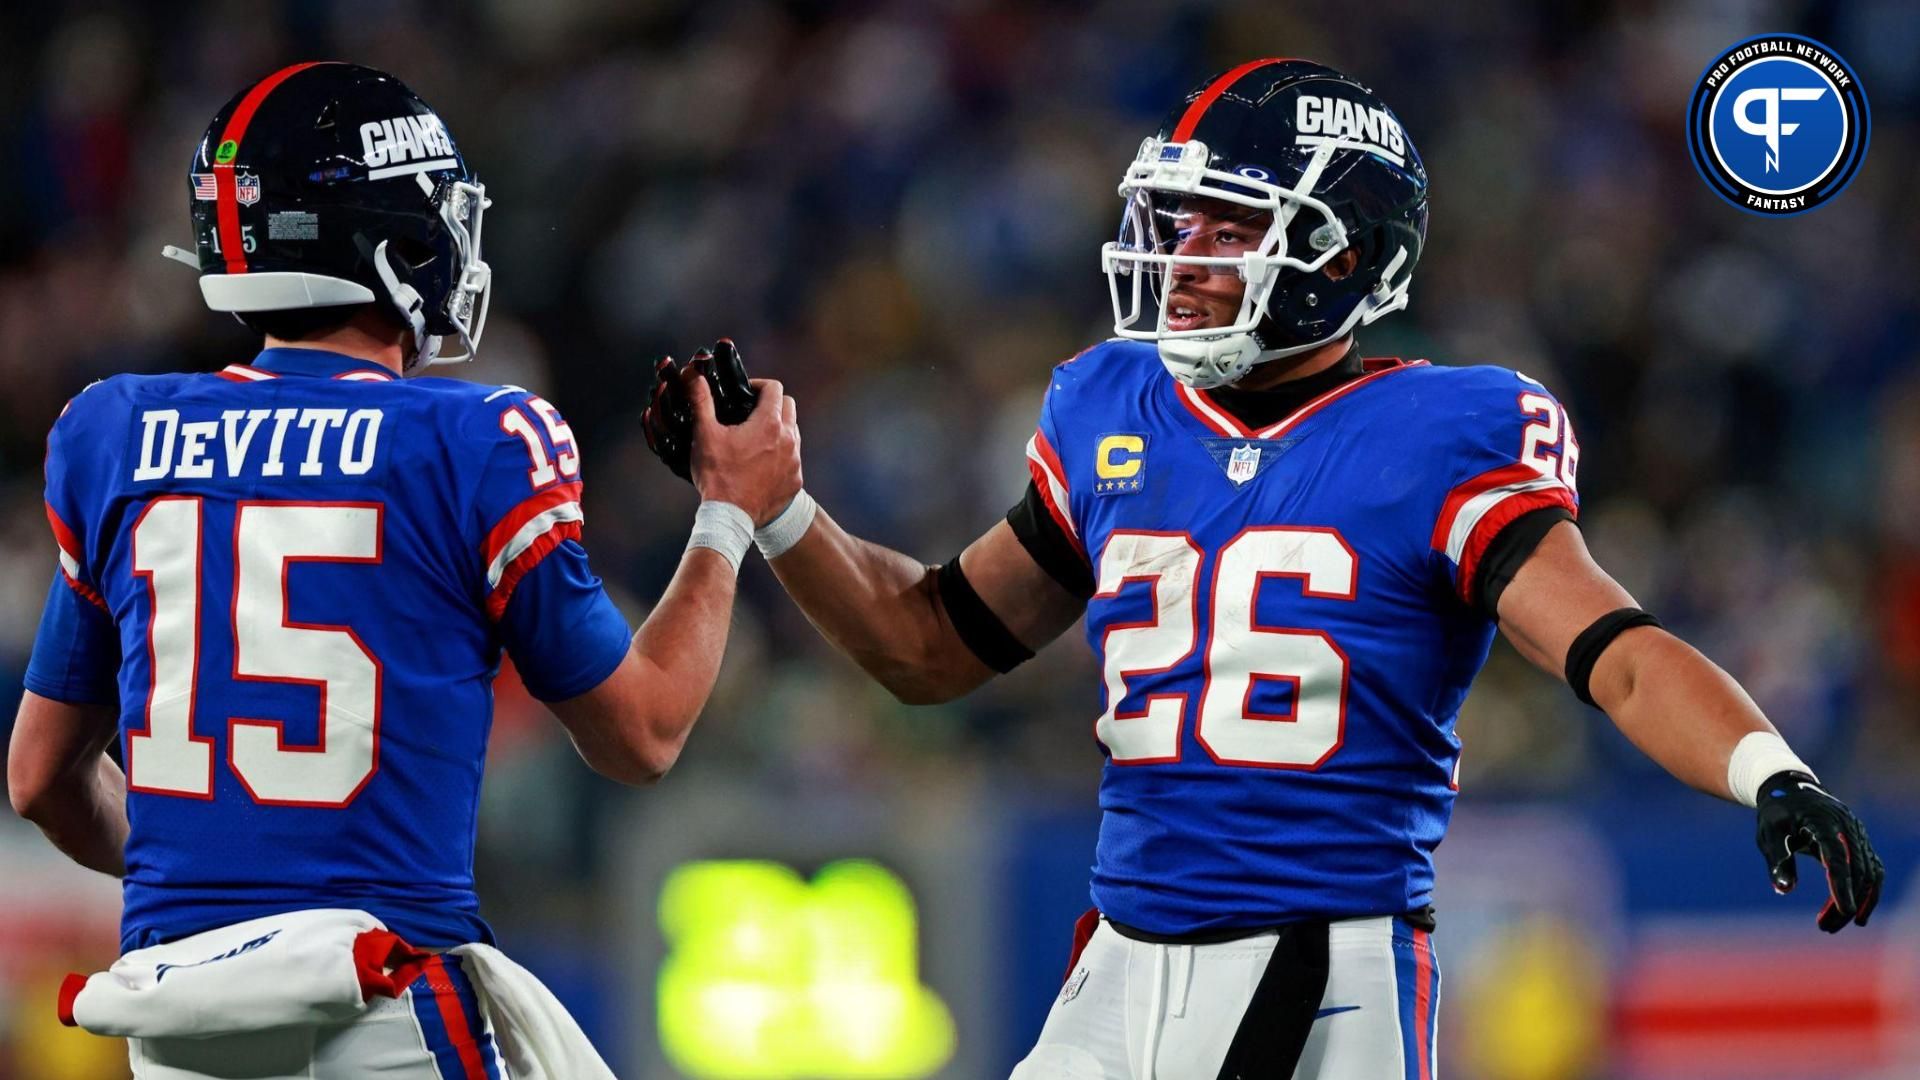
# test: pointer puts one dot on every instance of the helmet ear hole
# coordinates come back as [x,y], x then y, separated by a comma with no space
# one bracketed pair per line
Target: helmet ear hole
[1343,264]
[410,253]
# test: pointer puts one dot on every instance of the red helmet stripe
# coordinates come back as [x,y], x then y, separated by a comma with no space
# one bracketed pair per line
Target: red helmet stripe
[1191,118]
[232,244]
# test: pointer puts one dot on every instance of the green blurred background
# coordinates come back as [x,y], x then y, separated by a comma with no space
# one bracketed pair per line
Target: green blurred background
[896,207]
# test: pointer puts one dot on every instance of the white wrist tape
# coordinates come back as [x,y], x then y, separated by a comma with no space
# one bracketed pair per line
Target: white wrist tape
[1757,756]
[722,527]
[780,534]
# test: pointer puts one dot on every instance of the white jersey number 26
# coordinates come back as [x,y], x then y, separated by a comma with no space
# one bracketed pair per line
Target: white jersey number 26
[1240,652]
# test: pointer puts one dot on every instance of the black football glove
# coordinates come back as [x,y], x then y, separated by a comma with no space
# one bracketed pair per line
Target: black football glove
[1797,815]
[668,418]
[733,396]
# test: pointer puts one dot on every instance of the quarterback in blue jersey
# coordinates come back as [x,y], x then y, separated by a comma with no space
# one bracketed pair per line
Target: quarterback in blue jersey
[285,588]
[1291,561]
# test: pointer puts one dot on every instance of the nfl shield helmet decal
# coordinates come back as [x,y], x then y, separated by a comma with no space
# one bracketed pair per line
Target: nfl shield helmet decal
[246,189]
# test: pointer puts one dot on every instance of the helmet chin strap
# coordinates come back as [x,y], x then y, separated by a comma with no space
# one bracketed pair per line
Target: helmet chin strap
[413,310]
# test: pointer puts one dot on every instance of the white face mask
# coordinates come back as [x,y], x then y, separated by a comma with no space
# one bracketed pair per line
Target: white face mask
[467,302]
[1144,255]
[472,290]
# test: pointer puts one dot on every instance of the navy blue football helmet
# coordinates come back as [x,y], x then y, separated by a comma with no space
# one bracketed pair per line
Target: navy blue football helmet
[1318,160]
[328,184]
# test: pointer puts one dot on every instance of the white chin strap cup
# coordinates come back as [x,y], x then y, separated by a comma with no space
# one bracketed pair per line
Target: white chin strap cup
[1206,363]
[406,299]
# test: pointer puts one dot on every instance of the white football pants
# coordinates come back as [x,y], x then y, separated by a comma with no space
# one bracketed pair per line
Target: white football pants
[436,1030]
[1132,1010]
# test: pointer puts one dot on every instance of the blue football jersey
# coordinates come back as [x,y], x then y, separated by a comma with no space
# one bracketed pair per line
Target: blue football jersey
[296,578]
[1281,621]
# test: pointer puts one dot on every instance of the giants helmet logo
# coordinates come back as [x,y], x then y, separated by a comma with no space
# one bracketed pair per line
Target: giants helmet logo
[405,144]
[1319,119]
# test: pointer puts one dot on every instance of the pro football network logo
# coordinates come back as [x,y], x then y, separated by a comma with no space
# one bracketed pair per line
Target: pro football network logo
[1778,124]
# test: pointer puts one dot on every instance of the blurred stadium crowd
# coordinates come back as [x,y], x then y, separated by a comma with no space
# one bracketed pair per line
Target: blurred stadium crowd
[896,208]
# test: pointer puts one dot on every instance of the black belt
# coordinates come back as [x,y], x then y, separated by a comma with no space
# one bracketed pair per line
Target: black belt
[1419,918]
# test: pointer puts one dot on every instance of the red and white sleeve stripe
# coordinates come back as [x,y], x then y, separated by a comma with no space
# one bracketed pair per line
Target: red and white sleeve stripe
[1051,480]
[70,559]
[525,536]
[1477,510]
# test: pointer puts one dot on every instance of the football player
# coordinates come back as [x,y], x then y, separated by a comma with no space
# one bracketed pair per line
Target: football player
[285,587]
[1291,560]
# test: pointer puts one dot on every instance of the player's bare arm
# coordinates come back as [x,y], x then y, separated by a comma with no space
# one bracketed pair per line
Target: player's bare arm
[886,612]
[633,725]
[1686,714]
[60,778]
[927,633]
[1646,680]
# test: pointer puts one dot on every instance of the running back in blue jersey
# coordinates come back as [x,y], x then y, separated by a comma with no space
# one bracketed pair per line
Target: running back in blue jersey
[296,579]
[1280,619]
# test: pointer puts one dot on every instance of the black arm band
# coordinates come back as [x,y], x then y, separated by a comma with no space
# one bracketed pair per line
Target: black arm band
[1586,649]
[1049,544]
[979,628]
[1510,548]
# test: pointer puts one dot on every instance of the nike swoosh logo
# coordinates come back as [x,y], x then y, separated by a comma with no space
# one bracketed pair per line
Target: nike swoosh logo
[1337,1009]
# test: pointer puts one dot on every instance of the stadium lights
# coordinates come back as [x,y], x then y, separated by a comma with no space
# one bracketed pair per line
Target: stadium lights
[771,977]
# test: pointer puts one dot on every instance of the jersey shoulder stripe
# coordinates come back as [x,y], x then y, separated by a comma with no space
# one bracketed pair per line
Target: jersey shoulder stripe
[1067,402]
[526,535]
[72,560]
[1511,438]
[1050,479]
